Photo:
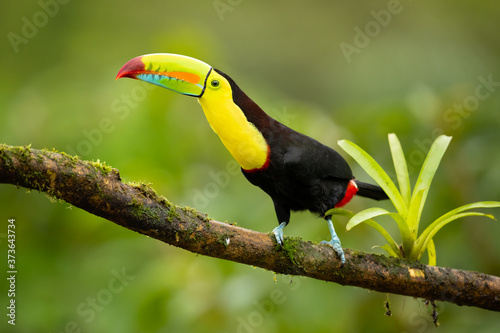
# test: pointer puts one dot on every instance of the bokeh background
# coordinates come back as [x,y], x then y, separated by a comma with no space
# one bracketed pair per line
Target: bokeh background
[330,69]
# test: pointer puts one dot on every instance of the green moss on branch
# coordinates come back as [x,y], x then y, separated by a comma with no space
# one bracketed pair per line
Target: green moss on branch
[98,189]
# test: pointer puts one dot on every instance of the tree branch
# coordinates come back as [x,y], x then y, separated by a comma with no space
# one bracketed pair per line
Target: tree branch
[98,189]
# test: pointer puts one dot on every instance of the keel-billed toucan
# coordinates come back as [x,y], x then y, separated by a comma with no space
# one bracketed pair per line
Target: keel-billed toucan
[296,171]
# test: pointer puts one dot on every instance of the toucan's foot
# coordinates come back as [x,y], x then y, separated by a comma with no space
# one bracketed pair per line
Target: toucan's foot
[335,242]
[278,233]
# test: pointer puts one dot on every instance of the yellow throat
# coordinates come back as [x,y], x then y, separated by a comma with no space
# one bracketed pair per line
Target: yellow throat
[241,138]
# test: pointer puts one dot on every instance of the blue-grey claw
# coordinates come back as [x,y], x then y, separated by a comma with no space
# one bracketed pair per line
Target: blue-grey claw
[278,233]
[336,246]
[335,241]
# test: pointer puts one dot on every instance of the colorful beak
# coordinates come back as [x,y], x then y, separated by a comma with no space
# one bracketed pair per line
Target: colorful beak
[178,73]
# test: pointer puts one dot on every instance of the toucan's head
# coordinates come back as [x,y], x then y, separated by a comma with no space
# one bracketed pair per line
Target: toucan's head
[179,73]
[218,95]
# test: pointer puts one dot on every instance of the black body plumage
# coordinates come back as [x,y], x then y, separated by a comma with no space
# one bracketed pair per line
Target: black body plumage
[302,174]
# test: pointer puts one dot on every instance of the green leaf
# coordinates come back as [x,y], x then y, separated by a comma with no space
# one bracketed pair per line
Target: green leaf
[339,211]
[408,205]
[435,226]
[366,215]
[370,213]
[389,250]
[374,170]
[344,212]
[400,167]
[390,241]
[414,211]
[425,177]
[431,252]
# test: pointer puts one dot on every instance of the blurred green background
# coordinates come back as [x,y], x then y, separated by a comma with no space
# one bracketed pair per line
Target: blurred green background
[332,70]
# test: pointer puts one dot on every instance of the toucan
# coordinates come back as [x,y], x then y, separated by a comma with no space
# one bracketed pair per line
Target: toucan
[296,171]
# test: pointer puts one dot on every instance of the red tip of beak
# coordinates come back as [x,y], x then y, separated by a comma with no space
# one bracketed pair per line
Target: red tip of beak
[131,68]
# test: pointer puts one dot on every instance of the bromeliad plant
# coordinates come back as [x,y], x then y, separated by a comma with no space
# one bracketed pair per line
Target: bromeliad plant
[408,204]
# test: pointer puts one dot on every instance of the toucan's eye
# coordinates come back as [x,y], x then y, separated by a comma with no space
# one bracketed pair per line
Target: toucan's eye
[215,83]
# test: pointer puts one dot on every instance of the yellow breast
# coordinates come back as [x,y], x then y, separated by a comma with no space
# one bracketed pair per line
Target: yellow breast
[241,138]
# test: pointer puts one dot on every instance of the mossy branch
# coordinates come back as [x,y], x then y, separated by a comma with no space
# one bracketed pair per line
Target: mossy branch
[98,189]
